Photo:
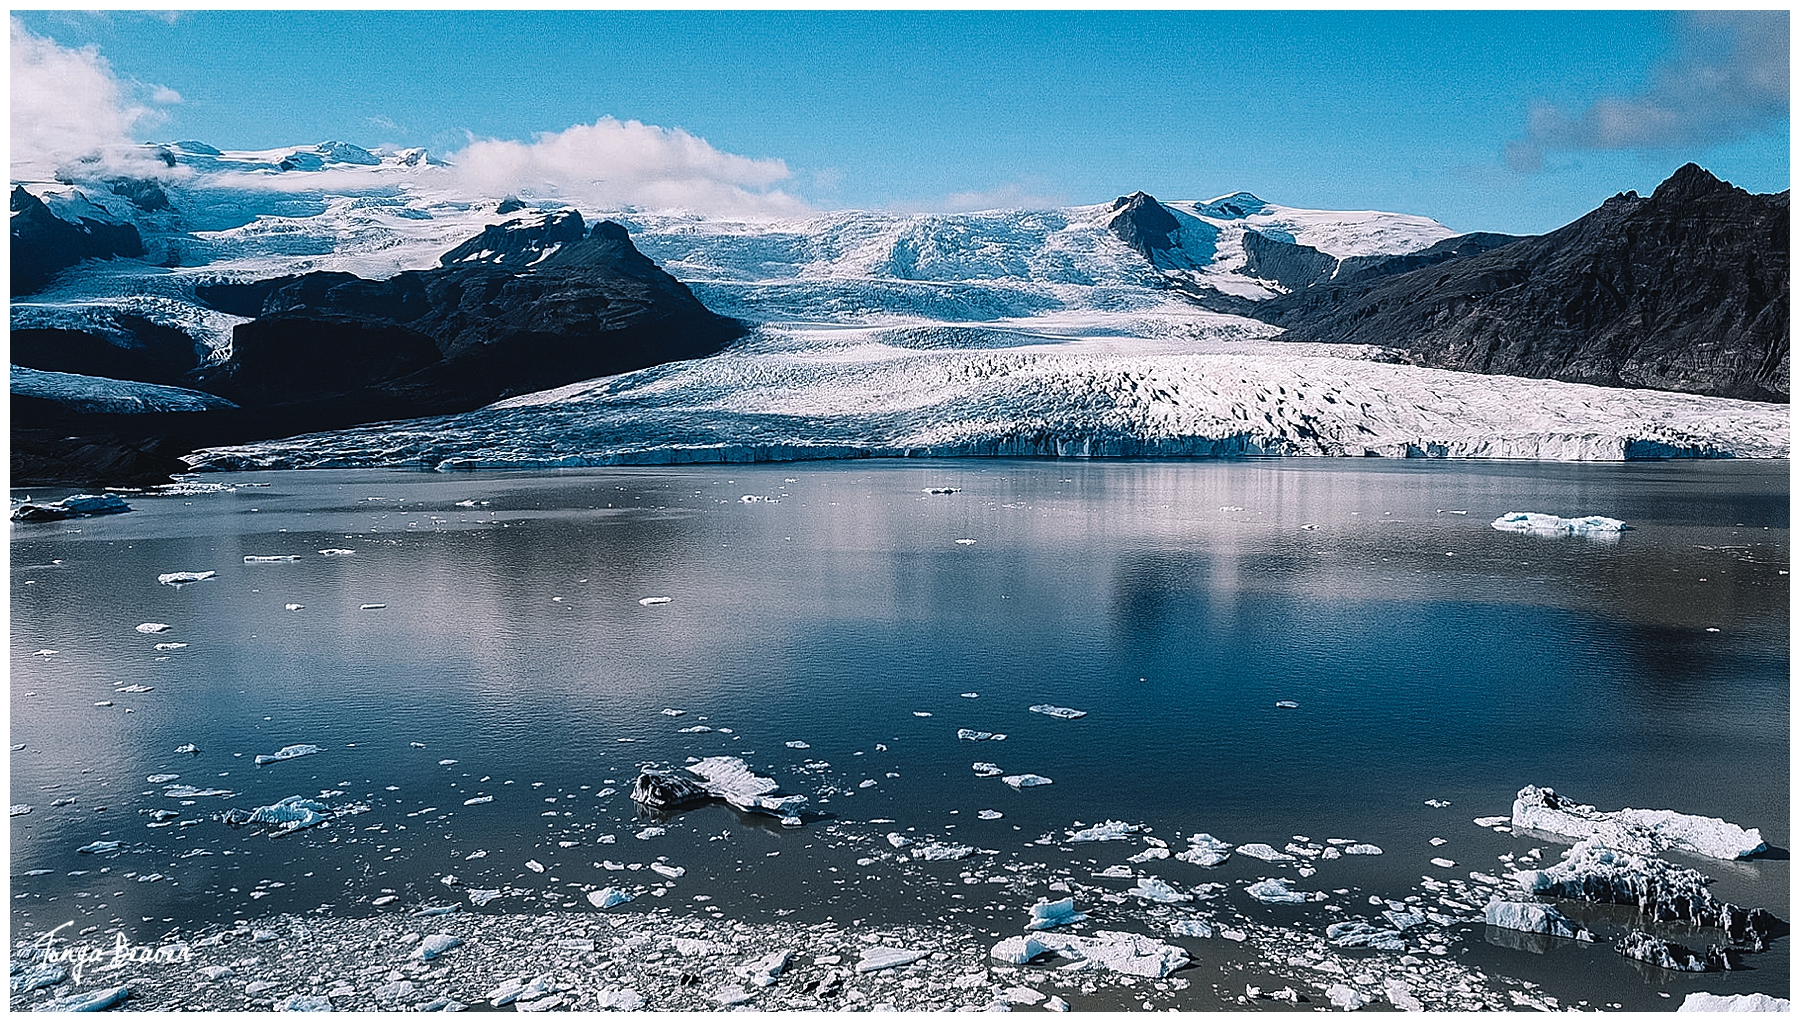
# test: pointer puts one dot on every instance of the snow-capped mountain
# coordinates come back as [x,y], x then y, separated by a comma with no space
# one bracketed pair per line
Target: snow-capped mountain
[1122,327]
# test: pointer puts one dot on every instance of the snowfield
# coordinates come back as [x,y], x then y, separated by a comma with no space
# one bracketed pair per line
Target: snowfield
[1008,332]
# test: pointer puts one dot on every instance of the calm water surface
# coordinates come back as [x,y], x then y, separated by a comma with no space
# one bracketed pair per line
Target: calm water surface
[1431,656]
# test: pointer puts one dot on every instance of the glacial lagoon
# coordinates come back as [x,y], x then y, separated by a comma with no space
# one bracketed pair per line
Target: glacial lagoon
[488,660]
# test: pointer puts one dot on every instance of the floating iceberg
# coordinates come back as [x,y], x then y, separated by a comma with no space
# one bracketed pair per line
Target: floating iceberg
[1646,831]
[1153,889]
[152,627]
[1058,711]
[1258,850]
[1018,950]
[723,777]
[1532,917]
[1206,850]
[1111,830]
[1665,954]
[269,559]
[877,958]
[765,970]
[1026,780]
[607,897]
[99,846]
[85,505]
[1355,933]
[434,945]
[1109,950]
[481,896]
[181,578]
[969,735]
[1698,1001]
[1551,525]
[1191,928]
[287,752]
[987,769]
[655,601]
[291,814]
[936,852]
[1277,892]
[1046,914]
[1590,871]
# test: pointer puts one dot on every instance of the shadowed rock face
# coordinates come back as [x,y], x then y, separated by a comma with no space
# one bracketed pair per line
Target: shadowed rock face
[535,303]
[1144,224]
[1686,290]
[44,244]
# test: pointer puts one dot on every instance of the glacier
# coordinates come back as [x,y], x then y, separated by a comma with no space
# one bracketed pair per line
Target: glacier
[876,334]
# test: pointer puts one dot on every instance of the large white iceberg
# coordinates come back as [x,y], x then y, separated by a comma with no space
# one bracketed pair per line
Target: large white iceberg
[1533,917]
[1551,525]
[723,777]
[1648,831]
[1698,1001]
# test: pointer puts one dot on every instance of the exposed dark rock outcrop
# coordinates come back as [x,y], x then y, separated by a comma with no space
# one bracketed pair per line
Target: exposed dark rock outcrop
[535,303]
[1295,267]
[1144,224]
[132,349]
[1686,290]
[44,244]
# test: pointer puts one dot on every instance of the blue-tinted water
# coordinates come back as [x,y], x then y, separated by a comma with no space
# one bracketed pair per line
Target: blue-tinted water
[1431,656]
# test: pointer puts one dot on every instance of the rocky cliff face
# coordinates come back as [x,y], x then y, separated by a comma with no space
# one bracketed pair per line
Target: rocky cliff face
[1686,290]
[44,244]
[527,305]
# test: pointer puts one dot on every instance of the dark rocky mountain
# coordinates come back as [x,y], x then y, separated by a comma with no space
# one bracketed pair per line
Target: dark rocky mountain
[1146,225]
[1686,290]
[44,244]
[534,303]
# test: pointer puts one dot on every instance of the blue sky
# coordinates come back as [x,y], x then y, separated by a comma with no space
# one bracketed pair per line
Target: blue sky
[1510,121]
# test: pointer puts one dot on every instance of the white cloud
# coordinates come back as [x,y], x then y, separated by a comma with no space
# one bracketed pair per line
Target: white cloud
[164,94]
[1729,79]
[67,105]
[613,163]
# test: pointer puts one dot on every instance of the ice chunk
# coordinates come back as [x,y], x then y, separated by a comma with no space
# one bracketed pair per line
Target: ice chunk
[1277,892]
[332,551]
[481,896]
[1026,780]
[478,800]
[798,745]
[987,770]
[1111,830]
[1056,1004]
[1153,889]
[937,852]
[671,712]
[99,846]
[163,647]
[1191,928]
[989,814]
[1109,950]
[1356,933]
[1046,914]
[732,993]
[181,578]
[1665,954]
[373,606]
[696,729]
[764,971]
[971,695]
[152,627]
[20,809]
[607,897]
[1018,950]
[291,814]
[1286,704]
[434,945]
[1344,996]
[1258,850]
[618,999]
[968,735]
[880,957]
[270,559]
[1443,863]
[1359,849]
[534,865]
[1551,525]
[1206,850]
[296,606]
[1532,917]
[899,840]
[1492,821]
[1647,831]
[83,505]
[1698,1001]
[723,777]
[672,872]
[187,750]
[1149,854]
[1057,711]
[655,601]
[287,752]
[161,778]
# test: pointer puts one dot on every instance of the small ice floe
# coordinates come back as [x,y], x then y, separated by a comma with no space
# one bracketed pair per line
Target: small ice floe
[1698,1001]
[968,735]
[1206,850]
[434,945]
[987,769]
[373,606]
[38,977]
[296,606]
[765,970]
[899,840]
[921,713]
[190,791]
[136,689]
[1647,831]
[1026,780]
[478,800]
[1443,863]
[152,627]
[989,814]
[181,578]
[648,832]
[1666,954]
[798,745]
[96,847]
[107,702]
[1275,891]
[939,852]
[481,896]
[879,957]
[1130,954]
[971,695]
[1191,928]
[655,601]
[1661,890]
[965,542]
[444,762]
[290,814]
[332,551]
[1046,914]
[1437,803]
[164,647]
[1258,850]
[1359,849]
[270,559]
[1493,822]
[1286,704]
[1062,712]
[1111,830]
[607,897]
[162,778]
[696,729]
[724,777]
[534,865]
[20,809]
[1158,891]
[672,872]
[731,994]
[1342,995]
[1120,871]
[98,1000]
[1550,525]
[618,999]
[82,505]
[1533,917]
[1355,933]
[287,752]
[943,489]
[47,652]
